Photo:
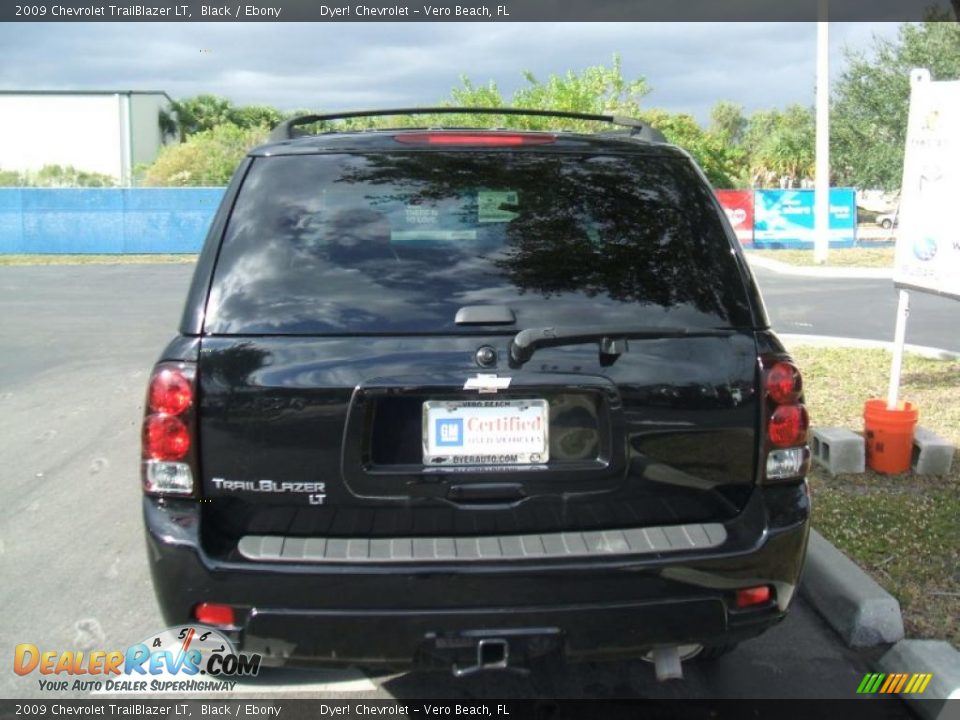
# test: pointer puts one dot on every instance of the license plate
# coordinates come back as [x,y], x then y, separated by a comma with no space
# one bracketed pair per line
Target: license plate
[486,432]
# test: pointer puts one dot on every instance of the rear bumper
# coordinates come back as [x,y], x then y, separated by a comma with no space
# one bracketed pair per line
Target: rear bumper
[401,612]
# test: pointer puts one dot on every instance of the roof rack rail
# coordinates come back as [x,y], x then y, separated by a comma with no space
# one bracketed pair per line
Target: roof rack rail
[286,129]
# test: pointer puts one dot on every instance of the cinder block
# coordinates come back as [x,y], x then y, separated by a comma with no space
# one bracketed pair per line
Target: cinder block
[932,454]
[838,450]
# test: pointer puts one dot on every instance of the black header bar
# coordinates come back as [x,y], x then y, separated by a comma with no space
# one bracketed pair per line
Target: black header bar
[192,708]
[473,10]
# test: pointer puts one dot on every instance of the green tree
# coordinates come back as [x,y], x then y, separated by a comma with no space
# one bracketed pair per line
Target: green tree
[193,115]
[169,127]
[255,116]
[10,178]
[190,116]
[597,90]
[55,176]
[722,163]
[727,122]
[69,176]
[781,144]
[871,101]
[207,158]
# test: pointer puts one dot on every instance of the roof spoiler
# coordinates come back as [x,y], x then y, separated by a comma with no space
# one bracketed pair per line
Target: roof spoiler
[286,129]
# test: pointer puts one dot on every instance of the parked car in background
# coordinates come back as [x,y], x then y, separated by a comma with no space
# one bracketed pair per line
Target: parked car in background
[889,220]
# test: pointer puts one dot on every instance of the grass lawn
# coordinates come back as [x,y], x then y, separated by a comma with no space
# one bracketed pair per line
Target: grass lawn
[93,259]
[881,257]
[903,529]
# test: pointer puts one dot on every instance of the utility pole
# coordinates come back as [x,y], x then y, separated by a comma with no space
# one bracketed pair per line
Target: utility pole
[821,210]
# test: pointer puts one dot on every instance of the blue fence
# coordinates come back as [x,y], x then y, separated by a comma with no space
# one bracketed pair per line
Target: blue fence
[133,220]
[175,220]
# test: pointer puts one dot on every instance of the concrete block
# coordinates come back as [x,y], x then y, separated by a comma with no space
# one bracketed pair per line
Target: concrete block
[936,657]
[852,603]
[932,454]
[838,450]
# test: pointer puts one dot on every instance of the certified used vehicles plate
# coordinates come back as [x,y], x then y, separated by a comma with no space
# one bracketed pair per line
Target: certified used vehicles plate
[485,432]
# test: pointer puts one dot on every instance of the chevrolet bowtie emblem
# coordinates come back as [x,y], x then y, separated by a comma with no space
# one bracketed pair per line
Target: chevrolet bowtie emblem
[487,383]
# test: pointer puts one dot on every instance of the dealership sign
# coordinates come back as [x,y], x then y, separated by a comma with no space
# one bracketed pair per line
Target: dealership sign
[928,245]
[784,218]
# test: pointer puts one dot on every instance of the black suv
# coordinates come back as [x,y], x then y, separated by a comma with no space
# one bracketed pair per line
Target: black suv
[475,397]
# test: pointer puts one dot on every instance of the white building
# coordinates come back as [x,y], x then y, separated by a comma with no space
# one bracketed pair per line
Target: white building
[109,132]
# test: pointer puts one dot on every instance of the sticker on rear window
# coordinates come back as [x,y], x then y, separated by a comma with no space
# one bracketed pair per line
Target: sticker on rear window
[432,235]
[496,206]
[420,215]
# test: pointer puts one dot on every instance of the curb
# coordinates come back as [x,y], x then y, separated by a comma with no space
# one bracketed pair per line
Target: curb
[831,341]
[836,273]
[940,659]
[866,615]
[852,603]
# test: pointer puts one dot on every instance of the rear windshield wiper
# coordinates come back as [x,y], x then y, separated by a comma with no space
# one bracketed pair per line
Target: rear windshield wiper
[612,340]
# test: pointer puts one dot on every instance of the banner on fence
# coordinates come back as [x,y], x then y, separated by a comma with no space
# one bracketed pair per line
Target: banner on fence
[784,218]
[738,205]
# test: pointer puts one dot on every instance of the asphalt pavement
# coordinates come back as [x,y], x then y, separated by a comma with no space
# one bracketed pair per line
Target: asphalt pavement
[856,308]
[78,342]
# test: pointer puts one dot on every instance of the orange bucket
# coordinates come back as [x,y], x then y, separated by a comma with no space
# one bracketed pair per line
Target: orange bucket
[889,436]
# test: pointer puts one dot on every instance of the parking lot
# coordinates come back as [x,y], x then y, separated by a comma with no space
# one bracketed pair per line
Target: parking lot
[78,342]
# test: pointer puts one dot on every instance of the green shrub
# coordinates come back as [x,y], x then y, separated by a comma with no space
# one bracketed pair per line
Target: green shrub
[207,158]
[57,176]
[9,178]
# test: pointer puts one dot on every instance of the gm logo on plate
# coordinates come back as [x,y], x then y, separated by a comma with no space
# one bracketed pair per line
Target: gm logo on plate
[449,432]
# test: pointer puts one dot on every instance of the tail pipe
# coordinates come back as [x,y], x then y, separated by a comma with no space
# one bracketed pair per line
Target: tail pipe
[492,654]
[666,663]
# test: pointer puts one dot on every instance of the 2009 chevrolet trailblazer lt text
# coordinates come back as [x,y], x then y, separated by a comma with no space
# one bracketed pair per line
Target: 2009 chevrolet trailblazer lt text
[474,397]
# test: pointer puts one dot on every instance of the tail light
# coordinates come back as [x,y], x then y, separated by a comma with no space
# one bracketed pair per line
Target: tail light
[168,452]
[487,139]
[786,423]
[784,384]
[751,597]
[165,438]
[787,426]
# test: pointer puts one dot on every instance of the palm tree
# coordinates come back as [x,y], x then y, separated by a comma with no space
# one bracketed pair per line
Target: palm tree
[196,114]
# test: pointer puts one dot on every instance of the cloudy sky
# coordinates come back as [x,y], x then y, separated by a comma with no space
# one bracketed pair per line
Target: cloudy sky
[333,66]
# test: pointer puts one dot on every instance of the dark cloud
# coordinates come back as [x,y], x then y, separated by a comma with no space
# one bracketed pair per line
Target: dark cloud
[335,66]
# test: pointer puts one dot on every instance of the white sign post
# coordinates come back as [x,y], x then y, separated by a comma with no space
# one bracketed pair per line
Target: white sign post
[928,245]
[821,216]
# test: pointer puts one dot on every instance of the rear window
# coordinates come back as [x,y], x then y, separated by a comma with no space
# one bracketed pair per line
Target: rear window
[399,242]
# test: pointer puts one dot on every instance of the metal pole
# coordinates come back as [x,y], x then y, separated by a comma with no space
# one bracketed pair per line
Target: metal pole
[821,215]
[126,140]
[903,312]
